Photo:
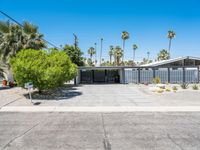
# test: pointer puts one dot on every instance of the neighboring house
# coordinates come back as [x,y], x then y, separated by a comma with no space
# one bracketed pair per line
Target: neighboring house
[178,70]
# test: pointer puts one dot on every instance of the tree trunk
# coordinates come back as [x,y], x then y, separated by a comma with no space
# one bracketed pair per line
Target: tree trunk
[133,56]
[170,40]
[9,74]
[123,50]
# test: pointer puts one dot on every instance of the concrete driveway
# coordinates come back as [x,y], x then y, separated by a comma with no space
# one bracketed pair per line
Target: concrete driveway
[87,95]
[105,95]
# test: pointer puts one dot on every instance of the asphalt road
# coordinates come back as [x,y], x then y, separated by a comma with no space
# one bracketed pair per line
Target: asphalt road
[100,131]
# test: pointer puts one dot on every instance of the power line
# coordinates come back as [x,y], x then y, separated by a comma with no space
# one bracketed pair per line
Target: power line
[23,26]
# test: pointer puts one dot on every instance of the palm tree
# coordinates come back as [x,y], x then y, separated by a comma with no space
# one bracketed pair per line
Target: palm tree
[118,53]
[134,49]
[91,52]
[171,35]
[14,38]
[101,50]
[111,53]
[1,73]
[163,55]
[32,38]
[124,36]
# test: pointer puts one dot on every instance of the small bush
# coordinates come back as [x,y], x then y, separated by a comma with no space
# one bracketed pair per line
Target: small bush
[195,87]
[160,91]
[46,70]
[174,88]
[168,90]
[156,80]
[184,85]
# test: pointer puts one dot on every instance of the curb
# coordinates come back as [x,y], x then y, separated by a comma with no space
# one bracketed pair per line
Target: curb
[98,109]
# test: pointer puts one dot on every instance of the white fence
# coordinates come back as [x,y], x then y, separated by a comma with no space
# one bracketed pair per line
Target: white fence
[167,75]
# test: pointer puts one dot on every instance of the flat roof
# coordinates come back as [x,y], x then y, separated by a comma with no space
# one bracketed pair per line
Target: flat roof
[163,62]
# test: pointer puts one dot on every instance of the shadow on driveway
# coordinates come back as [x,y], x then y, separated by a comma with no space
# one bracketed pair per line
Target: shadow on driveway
[62,93]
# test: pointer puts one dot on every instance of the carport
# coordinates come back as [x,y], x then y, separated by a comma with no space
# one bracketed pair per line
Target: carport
[89,75]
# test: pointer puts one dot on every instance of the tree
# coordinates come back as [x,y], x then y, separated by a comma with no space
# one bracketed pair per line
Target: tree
[1,73]
[129,63]
[13,38]
[171,35]
[163,55]
[91,52]
[111,53]
[89,62]
[124,36]
[101,51]
[46,70]
[118,53]
[145,61]
[74,54]
[134,49]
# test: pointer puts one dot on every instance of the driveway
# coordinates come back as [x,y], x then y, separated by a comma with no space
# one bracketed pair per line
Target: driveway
[87,95]
[105,95]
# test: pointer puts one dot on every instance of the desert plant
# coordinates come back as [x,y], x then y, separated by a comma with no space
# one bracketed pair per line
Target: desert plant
[174,88]
[46,70]
[195,87]
[160,90]
[168,90]
[184,85]
[156,80]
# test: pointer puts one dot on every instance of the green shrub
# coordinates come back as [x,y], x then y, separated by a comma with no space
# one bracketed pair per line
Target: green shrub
[168,90]
[174,88]
[44,70]
[156,80]
[195,87]
[184,85]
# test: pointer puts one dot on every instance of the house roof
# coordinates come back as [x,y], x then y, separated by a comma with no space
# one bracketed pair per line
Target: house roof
[163,62]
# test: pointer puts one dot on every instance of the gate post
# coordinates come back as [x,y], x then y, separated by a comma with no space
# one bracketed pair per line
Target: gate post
[168,71]
[183,74]
[198,73]
[138,75]
[154,72]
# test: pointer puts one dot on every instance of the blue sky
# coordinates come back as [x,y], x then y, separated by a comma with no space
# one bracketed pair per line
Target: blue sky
[147,21]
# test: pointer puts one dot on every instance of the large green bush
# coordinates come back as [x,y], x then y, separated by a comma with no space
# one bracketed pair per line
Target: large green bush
[46,70]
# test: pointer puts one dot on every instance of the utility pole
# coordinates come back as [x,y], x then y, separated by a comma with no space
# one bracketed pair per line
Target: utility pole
[75,41]
[148,53]
[95,47]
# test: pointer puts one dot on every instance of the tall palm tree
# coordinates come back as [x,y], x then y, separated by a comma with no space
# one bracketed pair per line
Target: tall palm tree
[111,53]
[14,38]
[171,35]
[101,50]
[91,52]
[124,36]
[134,49]
[118,53]
[163,55]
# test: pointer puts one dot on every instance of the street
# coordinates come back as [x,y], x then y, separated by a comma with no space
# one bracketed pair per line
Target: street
[100,131]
